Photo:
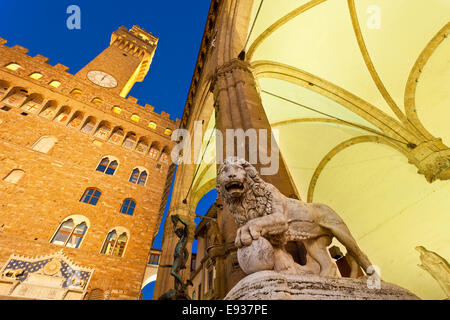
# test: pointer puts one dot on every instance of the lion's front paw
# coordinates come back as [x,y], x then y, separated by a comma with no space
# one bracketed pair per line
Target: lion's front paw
[246,235]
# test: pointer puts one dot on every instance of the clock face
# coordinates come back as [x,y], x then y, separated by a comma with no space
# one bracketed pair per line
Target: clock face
[102,79]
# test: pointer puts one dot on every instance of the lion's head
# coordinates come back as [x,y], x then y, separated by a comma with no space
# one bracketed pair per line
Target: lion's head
[243,190]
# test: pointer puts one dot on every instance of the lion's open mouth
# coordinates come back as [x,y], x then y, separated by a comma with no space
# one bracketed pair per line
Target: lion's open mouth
[234,186]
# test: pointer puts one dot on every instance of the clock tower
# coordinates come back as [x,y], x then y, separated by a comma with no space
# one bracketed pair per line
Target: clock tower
[125,62]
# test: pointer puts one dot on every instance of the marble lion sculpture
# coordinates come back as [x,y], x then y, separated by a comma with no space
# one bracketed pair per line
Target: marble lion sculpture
[260,210]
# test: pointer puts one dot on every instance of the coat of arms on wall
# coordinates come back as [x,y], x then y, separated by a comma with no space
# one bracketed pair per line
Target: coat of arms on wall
[52,277]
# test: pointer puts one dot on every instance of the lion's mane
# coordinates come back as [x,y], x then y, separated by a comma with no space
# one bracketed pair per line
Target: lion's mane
[257,199]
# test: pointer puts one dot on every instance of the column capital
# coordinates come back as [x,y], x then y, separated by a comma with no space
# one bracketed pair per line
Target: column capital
[229,67]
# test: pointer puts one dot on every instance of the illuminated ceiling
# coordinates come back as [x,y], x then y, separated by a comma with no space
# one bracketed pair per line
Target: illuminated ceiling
[335,77]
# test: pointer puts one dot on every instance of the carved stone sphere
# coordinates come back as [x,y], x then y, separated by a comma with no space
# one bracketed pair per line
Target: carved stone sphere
[259,256]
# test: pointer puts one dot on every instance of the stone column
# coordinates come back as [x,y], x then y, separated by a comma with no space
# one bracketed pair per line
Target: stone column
[239,106]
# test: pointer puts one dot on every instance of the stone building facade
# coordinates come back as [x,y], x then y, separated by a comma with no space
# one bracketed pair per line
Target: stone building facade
[84,173]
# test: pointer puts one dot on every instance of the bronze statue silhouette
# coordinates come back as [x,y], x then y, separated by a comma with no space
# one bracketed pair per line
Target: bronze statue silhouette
[181,256]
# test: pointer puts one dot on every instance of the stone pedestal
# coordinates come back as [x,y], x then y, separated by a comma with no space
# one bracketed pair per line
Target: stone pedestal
[269,285]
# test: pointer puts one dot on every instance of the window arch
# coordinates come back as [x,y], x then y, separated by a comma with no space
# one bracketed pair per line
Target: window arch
[103,130]
[117,136]
[36,76]
[139,176]
[103,165]
[112,168]
[91,196]
[108,165]
[13,66]
[129,141]
[71,232]
[49,110]
[115,242]
[45,144]
[143,178]
[128,207]
[134,176]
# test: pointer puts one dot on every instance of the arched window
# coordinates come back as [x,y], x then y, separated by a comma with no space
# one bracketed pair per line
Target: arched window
[14,176]
[128,207]
[70,233]
[103,165]
[120,245]
[134,176]
[115,245]
[55,84]
[135,118]
[108,166]
[91,196]
[110,241]
[44,144]
[142,178]
[36,75]
[116,110]
[112,168]
[13,66]
[76,93]
[77,236]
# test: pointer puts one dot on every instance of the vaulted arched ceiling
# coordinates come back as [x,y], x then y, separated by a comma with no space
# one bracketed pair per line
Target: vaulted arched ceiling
[349,84]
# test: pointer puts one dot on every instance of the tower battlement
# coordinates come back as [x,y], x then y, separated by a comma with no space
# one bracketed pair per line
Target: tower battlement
[77,89]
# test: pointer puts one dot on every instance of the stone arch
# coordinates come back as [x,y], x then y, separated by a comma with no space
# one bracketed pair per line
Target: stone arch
[117,136]
[33,103]
[49,110]
[62,115]
[16,97]
[76,120]
[130,140]
[103,130]
[143,145]
[89,125]
[414,77]
[4,88]
[275,70]
[339,148]
[279,23]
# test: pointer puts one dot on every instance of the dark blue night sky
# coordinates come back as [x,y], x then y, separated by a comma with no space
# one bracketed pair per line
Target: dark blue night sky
[41,27]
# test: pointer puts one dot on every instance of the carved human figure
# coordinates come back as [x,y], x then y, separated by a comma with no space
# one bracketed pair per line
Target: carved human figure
[181,256]
[260,210]
[437,266]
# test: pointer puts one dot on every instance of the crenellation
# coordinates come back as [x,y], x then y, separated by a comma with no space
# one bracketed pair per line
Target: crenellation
[60,67]
[149,108]
[132,99]
[20,49]
[41,59]
[69,82]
